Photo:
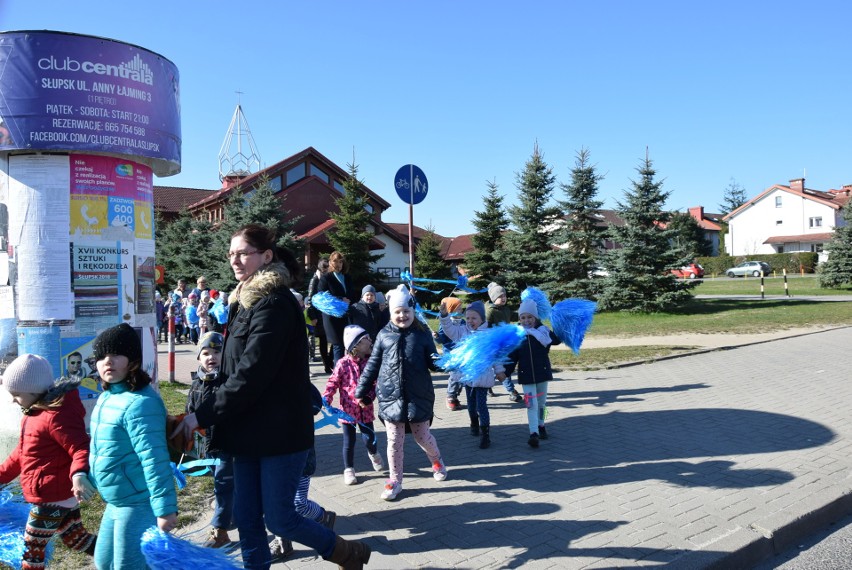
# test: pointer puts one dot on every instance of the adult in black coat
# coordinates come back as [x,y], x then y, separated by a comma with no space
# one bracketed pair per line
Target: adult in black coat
[262,411]
[314,314]
[337,283]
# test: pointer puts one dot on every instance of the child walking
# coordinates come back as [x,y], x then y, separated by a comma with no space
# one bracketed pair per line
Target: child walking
[534,372]
[205,382]
[398,371]
[454,387]
[128,454]
[52,457]
[477,388]
[344,379]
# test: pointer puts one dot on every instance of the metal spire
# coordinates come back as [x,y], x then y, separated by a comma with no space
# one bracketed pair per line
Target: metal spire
[238,156]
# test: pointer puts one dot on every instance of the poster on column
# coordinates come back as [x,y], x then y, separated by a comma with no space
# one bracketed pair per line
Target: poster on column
[38,216]
[145,284]
[95,279]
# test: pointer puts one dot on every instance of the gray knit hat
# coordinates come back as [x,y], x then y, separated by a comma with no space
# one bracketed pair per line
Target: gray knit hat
[495,290]
[28,374]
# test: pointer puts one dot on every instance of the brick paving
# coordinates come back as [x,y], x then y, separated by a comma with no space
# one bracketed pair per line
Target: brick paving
[710,460]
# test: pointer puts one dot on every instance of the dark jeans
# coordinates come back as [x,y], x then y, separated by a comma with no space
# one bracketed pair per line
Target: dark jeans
[265,490]
[337,354]
[369,437]
[223,489]
[477,405]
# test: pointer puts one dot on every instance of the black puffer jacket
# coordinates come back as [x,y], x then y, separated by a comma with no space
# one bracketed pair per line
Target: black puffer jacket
[399,368]
[532,359]
[263,406]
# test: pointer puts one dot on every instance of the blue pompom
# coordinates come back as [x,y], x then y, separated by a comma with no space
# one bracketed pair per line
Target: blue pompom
[571,319]
[541,302]
[329,304]
[165,551]
[192,315]
[476,353]
[220,311]
[13,519]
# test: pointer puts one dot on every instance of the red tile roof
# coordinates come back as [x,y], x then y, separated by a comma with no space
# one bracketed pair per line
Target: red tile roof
[802,238]
[173,198]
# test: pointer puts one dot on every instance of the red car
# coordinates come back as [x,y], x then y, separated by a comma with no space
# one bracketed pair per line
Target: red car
[690,271]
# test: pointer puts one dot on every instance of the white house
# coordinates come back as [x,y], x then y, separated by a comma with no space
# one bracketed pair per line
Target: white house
[784,219]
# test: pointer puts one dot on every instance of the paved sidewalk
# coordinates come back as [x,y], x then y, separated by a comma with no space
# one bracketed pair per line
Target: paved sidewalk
[711,460]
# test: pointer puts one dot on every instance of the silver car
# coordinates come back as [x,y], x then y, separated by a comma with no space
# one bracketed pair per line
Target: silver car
[754,268]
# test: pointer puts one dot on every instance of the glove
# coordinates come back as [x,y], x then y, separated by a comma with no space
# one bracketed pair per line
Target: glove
[82,488]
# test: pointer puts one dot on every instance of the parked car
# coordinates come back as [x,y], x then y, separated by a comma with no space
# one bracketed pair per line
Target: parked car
[754,268]
[597,271]
[690,271]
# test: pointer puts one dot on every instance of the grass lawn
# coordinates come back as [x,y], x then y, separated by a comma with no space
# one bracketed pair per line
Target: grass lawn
[193,499]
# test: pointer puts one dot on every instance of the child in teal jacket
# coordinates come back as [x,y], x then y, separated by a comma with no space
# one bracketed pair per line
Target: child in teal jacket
[129,459]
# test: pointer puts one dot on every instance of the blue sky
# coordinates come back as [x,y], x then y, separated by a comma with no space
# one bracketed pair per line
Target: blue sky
[755,91]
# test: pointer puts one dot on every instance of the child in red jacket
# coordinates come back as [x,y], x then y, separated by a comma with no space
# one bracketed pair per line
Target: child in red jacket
[344,379]
[52,457]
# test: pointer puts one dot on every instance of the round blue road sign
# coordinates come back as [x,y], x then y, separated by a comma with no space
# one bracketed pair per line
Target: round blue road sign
[411,184]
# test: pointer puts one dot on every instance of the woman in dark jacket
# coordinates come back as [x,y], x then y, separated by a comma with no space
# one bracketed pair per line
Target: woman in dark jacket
[338,284]
[314,314]
[262,411]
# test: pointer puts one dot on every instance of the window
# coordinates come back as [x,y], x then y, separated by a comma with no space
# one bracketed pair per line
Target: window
[777,201]
[780,248]
[779,222]
[816,247]
[296,173]
[319,173]
[339,187]
[275,184]
[368,207]
[816,222]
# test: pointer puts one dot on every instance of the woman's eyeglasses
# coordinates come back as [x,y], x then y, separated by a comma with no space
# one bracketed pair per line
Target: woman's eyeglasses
[240,254]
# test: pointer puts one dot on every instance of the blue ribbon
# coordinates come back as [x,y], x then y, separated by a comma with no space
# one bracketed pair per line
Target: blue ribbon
[180,471]
[460,283]
[336,414]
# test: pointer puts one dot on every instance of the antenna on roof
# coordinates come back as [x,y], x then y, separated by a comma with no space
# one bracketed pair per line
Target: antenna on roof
[238,156]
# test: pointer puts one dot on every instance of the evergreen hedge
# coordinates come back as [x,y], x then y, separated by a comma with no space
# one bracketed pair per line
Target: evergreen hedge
[792,262]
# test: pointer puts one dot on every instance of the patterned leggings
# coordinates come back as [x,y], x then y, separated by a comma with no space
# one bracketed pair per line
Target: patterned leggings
[45,521]
[396,445]
[304,506]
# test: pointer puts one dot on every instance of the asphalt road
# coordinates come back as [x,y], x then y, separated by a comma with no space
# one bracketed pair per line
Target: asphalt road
[828,549]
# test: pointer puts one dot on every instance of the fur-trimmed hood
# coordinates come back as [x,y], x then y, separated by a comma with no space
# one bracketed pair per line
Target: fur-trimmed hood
[262,283]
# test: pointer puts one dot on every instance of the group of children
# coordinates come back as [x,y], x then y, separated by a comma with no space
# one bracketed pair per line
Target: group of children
[127,458]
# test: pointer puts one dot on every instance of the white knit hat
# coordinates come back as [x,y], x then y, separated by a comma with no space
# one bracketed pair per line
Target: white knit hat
[28,374]
[528,306]
[400,297]
[351,335]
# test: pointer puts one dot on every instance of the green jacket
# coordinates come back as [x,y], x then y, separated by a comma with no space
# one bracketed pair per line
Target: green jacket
[495,315]
[128,457]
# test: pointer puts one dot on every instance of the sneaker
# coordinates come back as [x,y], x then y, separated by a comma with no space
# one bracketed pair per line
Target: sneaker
[491,392]
[542,432]
[391,490]
[327,519]
[439,471]
[377,461]
[217,539]
[453,404]
[280,548]
[515,397]
[533,440]
[349,477]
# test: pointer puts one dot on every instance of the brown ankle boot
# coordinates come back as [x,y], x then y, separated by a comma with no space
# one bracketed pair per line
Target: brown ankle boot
[350,554]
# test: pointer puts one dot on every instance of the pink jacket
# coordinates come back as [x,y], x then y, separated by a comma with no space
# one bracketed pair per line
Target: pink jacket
[345,379]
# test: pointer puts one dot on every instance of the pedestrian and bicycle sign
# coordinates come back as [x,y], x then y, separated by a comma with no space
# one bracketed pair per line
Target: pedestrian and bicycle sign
[411,184]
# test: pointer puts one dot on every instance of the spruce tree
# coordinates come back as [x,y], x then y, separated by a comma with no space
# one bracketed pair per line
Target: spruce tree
[482,265]
[837,271]
[578,238]
[350,235]
[183,249]
[639,272]
[429,264]
[733,197]
[526,250]
[689,236]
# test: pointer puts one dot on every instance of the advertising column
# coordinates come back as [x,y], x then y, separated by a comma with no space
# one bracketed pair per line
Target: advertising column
[85,123]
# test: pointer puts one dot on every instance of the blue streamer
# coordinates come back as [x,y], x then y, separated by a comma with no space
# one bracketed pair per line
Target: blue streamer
[164,551]
[571,319]
[541,302]
[339,414]
[180,478]
[460,283]
[474,354]
[206,463]
[329,304]
[327,419]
